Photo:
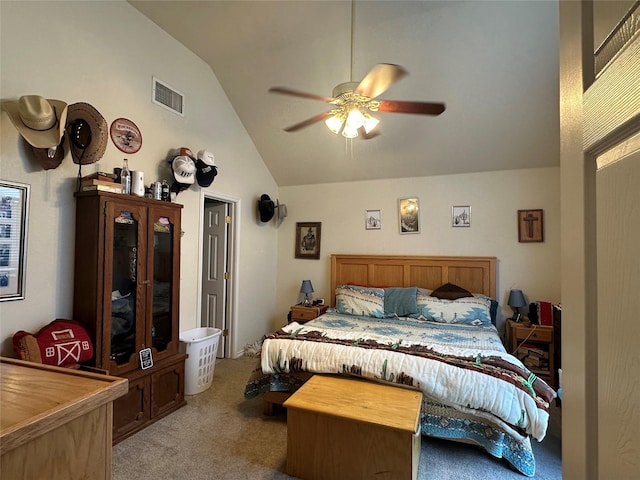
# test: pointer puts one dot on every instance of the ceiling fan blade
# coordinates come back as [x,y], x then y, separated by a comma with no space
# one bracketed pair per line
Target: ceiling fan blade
[296,93]
[420,108]
[379,79]
[309,121]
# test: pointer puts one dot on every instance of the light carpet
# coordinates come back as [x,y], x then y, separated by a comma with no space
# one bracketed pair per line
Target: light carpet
[220,435]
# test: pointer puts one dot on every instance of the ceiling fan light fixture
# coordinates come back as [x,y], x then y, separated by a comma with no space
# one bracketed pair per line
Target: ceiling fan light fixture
[349,131]
[355,118]
[370,123]
[352,101]
[335,122]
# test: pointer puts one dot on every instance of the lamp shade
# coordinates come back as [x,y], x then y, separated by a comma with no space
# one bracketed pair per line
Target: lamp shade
[516,299]
[307,288]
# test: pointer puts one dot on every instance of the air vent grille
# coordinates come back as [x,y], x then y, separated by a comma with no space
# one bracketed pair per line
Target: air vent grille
[168,97]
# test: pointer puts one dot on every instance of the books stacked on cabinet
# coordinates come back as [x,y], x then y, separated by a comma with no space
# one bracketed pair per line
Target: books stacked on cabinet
[100,181]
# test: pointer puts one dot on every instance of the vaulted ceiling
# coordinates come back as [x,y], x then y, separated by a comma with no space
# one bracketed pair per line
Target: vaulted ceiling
[493,63]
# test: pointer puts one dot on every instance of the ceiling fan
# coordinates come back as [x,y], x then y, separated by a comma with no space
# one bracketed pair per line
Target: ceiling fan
[355,101]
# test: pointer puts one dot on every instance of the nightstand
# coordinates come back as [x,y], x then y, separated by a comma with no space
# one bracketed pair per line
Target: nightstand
[534,346]
[301,314]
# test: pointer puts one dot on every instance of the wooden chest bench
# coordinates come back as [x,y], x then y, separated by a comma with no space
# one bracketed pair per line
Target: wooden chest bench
[347,428]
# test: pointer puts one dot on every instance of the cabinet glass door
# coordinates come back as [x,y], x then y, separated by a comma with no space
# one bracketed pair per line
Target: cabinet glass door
[125,273]
[164,272]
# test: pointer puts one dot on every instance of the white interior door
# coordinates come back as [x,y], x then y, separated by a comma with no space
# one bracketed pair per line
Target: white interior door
[618,239]
[612,140]
[215,270]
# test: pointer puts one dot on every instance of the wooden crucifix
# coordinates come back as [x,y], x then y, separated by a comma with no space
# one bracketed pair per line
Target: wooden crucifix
[530,226]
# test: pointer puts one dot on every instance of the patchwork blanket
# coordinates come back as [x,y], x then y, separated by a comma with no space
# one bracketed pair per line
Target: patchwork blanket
[464,367]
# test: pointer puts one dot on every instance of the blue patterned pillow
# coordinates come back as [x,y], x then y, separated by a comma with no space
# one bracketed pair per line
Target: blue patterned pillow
[468,310]
[400,302]
[356,300]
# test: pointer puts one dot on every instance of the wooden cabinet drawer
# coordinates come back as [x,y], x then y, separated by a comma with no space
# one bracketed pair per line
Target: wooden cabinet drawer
[303,313]
[537,335]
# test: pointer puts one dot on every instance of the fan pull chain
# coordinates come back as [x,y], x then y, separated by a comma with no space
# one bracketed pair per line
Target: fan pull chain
[348,147]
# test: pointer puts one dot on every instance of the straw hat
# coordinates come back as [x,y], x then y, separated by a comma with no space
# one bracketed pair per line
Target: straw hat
[40,121]
[88,133]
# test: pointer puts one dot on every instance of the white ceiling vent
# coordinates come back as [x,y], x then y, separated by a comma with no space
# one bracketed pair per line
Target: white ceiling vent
[167,97]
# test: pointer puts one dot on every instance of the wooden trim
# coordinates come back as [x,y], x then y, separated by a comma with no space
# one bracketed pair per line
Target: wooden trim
[477,274]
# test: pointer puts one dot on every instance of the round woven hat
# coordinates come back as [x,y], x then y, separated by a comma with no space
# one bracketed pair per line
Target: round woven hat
[90,148]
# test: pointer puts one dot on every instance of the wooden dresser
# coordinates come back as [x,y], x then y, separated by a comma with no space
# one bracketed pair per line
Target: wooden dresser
[56,423]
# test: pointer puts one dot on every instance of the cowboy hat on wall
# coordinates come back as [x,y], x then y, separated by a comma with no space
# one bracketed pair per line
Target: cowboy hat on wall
[41,122]
[88,133]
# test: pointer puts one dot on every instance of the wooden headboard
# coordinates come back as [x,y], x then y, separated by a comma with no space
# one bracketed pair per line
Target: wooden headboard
[476,274]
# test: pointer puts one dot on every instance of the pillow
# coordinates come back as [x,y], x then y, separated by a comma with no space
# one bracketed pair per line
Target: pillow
[356,300]
[62,343]
[493,309]
[450,291]
[400,301]
[467,311]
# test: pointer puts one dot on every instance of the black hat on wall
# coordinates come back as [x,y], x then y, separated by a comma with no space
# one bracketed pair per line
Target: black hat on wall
[266,208]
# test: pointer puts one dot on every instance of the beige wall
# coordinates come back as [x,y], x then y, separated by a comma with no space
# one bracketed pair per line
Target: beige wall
[494,199]
[116,51]
[105,53]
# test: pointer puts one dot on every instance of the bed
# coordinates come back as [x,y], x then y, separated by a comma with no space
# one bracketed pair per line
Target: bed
[419,322]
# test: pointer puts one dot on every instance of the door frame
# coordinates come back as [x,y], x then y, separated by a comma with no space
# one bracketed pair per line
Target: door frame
[593,119]
[233,240]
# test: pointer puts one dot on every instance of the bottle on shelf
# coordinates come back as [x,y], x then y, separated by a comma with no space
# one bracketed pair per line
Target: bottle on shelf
[165,192]
[125,177]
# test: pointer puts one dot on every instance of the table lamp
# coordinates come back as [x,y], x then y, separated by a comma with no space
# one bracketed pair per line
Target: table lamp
[516,300]
[307,289]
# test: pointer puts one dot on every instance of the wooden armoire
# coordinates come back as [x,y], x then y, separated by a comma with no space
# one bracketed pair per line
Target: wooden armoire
[126,293]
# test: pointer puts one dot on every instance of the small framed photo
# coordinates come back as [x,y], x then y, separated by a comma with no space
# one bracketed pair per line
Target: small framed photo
[308,240]
[146,358]
[372,220]
[461,216]
[409,215]
[14,224]
[530,226]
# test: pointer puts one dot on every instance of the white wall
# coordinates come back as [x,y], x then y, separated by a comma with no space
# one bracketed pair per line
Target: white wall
[105,54]
[494,197]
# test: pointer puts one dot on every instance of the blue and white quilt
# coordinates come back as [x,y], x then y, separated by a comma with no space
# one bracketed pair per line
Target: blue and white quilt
[464,367]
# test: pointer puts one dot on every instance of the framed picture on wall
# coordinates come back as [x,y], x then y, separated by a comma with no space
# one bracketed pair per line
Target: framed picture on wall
[530,226]
[14,222]
[409,215]
[372,220]
[308,240]
[461,216]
